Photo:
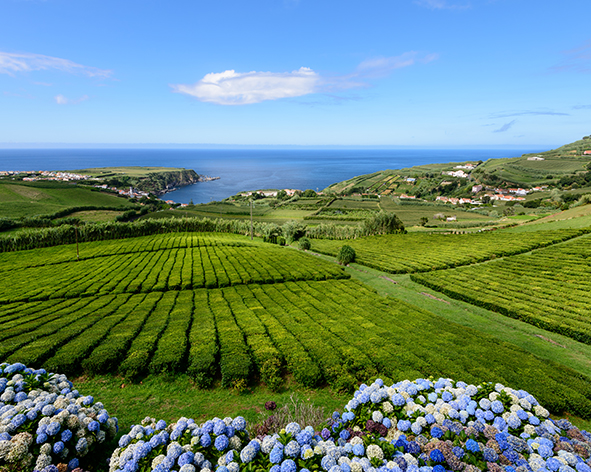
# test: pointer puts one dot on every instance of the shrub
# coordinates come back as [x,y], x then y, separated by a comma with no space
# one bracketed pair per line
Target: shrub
[346,255]
[46,422]
[304,244]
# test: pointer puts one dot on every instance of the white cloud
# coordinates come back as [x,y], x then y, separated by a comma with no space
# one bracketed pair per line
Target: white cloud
[382,66]
[12,63]
[236,88]
[442,5]
[61,100]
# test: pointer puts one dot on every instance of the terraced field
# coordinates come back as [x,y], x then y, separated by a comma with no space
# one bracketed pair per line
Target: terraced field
[549,288]
[407,253]
[152,264]
[130,307]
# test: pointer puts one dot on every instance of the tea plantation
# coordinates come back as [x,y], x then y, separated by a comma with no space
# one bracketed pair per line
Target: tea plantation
[416,252]
[549,288]
[225,309]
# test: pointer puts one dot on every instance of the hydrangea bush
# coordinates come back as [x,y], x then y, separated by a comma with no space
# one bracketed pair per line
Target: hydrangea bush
[44,422]
[420,426]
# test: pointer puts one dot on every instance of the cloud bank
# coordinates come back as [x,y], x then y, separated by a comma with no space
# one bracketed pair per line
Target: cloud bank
[576,60]
[244,88]
[234,88]
[12,63]
[61,100]
[505,127]
[442,5]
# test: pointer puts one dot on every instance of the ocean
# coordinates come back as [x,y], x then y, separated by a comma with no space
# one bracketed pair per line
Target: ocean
[249,169]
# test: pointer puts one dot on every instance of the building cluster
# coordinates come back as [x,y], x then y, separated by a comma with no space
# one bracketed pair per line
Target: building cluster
[273,193]
[458,201]
[47,175]
[467,166]
[131,193]
[456,173]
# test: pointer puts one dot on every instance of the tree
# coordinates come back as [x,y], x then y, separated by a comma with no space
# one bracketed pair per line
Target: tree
[309,193]
[346,255]
[282,195]
[293,230]
[383,223]
[424,220]
[304,244]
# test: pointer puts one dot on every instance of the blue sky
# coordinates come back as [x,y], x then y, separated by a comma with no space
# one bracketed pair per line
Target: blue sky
[304,72]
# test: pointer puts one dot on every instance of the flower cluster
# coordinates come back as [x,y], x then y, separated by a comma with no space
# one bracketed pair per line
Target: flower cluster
[420,426]
[184,445]
[448,425]
[44,421]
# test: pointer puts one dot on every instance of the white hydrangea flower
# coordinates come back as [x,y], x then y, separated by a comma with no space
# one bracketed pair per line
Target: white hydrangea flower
[158,460]
[410,459]
[45,449]
[43,460]
[541,411]
[529,429]
[356,440]
[235,442]
[388,408]
[373,450]
[356,467]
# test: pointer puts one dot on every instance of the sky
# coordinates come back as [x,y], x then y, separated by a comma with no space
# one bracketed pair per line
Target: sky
[295,72]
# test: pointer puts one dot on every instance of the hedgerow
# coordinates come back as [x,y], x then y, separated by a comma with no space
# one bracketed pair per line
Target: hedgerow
[408,253]
[549,289]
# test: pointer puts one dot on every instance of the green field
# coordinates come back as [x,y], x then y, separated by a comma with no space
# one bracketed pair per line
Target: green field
[549,288]
[26,199]
[270,315]
[407,253]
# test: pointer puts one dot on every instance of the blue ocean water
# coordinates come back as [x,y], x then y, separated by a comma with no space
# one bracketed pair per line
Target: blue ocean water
[249,169]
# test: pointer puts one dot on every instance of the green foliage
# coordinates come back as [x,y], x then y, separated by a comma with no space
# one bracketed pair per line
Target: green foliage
[304,244]
[548,288]
[309,193]
[346,255]
[293,230]
[418,252]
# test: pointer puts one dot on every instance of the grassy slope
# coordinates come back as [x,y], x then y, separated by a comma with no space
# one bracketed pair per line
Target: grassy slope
[172,397]
[30,199]
[132,171]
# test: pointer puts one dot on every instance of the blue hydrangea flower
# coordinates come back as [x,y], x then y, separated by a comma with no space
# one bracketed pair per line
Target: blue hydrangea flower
[436,456]
[328,462]
[472,446]
[404,425]
[436,432]
[458,452]
[398,400]
[221,442]
[293,428]
[358,449]
[248,453]
[288,465]
[276,455]
[205,440]
[58,447]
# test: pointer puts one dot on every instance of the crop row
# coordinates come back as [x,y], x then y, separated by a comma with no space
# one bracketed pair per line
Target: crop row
[550,289]
[207,266]
[10,261]
[317,331]
[407,253]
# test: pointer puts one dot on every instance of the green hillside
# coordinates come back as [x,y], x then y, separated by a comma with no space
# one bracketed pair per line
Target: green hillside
[28,199]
